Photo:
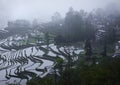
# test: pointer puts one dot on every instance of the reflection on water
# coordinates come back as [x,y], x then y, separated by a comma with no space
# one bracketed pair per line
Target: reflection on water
[21,63]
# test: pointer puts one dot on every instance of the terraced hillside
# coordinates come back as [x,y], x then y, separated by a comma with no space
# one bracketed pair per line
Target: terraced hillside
[23,58]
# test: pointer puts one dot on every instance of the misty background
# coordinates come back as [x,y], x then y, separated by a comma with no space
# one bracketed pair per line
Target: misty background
[42,10]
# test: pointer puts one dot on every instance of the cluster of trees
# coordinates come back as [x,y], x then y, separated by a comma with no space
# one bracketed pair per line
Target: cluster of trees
[75,27]
[81,25]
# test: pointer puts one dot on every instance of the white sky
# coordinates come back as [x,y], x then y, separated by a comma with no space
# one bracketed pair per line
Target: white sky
[44,9]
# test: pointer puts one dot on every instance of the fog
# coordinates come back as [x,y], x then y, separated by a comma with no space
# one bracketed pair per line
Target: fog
[44,9]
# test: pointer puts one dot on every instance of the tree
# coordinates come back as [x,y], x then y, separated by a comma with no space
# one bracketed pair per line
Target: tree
[56,17]
[78,26]
[88,48]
